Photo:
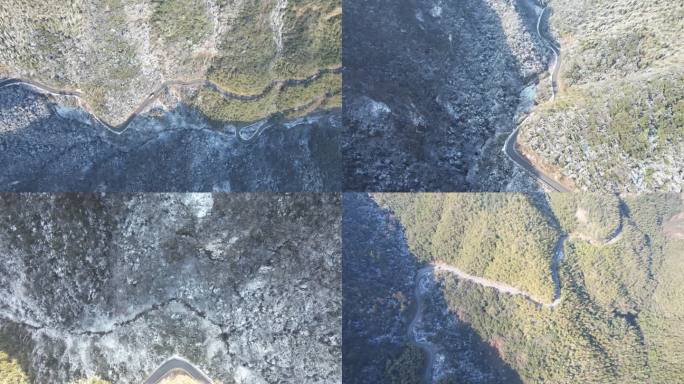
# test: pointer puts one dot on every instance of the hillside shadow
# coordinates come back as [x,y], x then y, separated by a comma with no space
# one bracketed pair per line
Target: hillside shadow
[177,151]
[449,79]
[379,303]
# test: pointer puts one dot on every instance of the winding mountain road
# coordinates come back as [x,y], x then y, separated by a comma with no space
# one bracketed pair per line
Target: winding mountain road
[511,142]
[515,156]
[424,274]
[422,280]
[177,364]
[121,128]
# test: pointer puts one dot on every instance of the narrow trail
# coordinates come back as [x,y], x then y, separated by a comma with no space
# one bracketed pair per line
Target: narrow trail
[511,142]
[422,287]
[159,91]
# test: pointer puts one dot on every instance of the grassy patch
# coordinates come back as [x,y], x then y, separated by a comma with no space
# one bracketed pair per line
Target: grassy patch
[246,50]
[313,38]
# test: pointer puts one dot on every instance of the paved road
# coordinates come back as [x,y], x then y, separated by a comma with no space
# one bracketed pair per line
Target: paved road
[512,152]
[121,128]
[177,364]
[510,145]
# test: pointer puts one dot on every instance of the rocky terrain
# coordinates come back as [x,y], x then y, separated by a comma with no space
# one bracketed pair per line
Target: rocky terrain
[246,287]
[161,95]
[432,92]
[618,121]
[45,146]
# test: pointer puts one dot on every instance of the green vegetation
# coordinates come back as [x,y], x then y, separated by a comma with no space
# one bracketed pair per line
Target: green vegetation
[617,123]
[181,21]
[246,51]
[621,38]
[614,130]
[591,216]
[641,118]
[503,237]
[115,65]
[104,49]
[314,39]
[216,107]
[407,367]
[50,26]
[621,318]
[251,55]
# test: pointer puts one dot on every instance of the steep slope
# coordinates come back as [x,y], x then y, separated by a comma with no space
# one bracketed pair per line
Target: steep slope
[620,313]
[46,147]
[198,95]
[501,237]
[432,89]
[397,328]
[618,121]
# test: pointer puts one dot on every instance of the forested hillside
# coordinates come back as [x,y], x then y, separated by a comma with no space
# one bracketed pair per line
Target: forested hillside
[620,314]
[503,237]
[116,52]
[617,123]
